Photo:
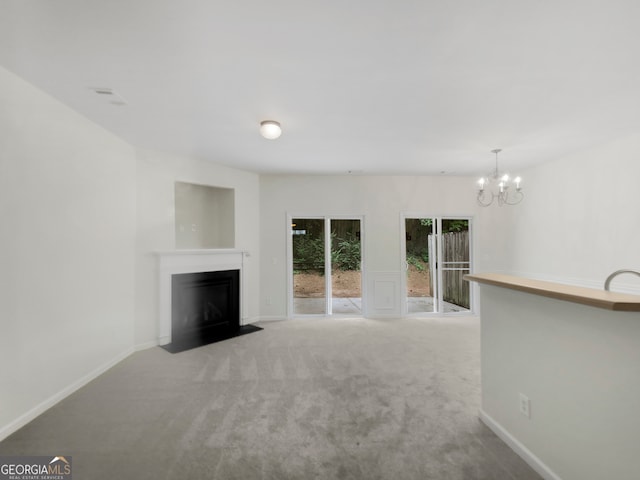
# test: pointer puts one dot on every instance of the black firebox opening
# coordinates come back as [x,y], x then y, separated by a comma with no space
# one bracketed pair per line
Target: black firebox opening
[205,307]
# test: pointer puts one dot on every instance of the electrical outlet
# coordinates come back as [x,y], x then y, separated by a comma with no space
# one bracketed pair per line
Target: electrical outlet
[525,405]
[269,301]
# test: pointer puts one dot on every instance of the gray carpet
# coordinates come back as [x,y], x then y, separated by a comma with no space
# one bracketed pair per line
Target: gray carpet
[302,399]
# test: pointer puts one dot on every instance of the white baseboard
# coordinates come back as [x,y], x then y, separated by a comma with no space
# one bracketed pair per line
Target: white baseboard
[383,316]
[39,409]
[273,318]
[250,320]
[534,462]
[144,346]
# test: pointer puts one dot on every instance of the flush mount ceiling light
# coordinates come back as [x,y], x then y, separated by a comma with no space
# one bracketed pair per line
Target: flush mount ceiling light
[270,129]
[499,187]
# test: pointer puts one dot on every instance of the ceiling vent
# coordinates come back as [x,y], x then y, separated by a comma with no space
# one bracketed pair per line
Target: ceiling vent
[112,97]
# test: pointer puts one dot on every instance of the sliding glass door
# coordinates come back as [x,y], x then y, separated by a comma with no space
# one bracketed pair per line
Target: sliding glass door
[436,256]
[326,266]
[420,266]
[455,264]
[309,266]
[346,267]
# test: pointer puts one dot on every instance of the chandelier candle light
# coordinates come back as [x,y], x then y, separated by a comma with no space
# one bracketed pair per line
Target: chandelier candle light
[498,186]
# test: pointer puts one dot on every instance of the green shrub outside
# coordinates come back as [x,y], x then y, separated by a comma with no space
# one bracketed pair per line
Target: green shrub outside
[308,253]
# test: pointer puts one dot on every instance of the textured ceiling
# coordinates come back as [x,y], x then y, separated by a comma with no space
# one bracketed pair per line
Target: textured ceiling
[378,87]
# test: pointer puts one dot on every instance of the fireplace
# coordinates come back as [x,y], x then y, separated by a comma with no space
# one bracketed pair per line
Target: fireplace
[205,306]
[202,273]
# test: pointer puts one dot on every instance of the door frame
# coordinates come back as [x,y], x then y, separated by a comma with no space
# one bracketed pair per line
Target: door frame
[327,263]
[438,270]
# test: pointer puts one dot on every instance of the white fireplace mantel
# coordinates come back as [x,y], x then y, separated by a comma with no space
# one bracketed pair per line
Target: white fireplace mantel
[174,262]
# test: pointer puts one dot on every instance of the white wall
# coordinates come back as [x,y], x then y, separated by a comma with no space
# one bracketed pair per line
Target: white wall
[579,221]
[580,368]
[380,199]
[156,175]
[67,205]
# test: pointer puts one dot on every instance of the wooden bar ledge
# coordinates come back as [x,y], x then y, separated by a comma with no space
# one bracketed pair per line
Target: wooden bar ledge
[586,296]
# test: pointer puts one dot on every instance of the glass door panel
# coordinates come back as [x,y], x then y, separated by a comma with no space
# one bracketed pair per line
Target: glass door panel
[309,281]
[455,264]
[420,264]
[346,271]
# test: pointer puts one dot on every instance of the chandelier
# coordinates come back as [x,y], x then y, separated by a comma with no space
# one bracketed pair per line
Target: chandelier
[499,187]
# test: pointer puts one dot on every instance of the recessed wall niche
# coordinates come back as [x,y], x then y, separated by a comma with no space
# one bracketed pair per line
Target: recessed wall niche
[205,216]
